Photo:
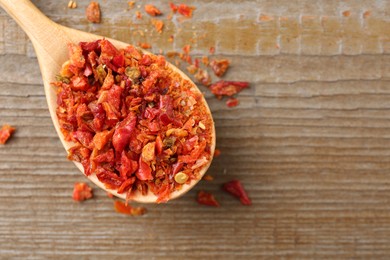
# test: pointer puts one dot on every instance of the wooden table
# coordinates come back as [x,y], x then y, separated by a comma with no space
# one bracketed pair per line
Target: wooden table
[310,139]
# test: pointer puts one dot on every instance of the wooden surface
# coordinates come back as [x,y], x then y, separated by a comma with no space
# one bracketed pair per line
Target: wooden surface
[310,140]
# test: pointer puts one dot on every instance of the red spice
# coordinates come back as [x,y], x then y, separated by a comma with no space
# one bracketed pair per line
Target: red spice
[81,191]
[131,4]
[185,10]
[170,39]
[5,133]
[235,188]
[187,49]
[93,12]
[138,15]
[217,152]
[173,7]
[144,45]
[219,66]
[208,177]
[158,25]
[152,10]
[228,88]
[203,77]
[122,208]
[346,13]
[110,195]
[132,119]
[207,198]
[232,102]
[366,14]
[212,50]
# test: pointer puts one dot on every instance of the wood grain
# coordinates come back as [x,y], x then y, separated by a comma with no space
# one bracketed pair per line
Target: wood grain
[310,140]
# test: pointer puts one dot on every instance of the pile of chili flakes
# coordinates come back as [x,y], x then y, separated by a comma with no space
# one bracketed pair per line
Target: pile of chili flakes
[135,123]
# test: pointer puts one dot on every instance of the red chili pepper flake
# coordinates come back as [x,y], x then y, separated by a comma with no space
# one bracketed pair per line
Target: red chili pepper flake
[346,13]
[192,69]
[133,120]
[366,14]
[207,198]
[217,152]
[138,15]
[144,45]
[228,88]
[187,49]
[110,195]
[81,191]
[93,12]
[173,7]
[5,133]
[205,60]
[185,10]
[131,4]
[122,208]
[232,102]
[170,39]
[212,50]
[158,25]
[235,188]
[203,77]
[152,10]
[208,177]
[219,66]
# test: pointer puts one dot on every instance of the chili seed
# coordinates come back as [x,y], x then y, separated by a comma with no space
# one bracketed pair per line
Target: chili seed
[202,126]
[132,73]
[181,177]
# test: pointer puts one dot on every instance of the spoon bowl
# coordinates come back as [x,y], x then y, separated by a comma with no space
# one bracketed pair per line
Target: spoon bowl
[50,43]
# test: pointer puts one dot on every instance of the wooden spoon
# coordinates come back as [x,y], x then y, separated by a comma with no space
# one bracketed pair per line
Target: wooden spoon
[49,40]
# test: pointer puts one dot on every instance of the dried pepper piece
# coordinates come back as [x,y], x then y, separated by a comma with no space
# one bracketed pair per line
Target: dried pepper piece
[152,10]
[207,198]
[232,102]
[93,12]
[219,66]
[208,177]
[135,123]
[138,15]
[185,10]
[235,188]
[217,152]
[228,88]
[144,45]
[81,191]
[158,25]
[122,208]
[5,133]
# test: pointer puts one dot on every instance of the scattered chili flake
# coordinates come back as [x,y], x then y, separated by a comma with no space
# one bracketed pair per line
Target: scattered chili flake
[192,69]
[173,7]
[133,120]
[366,14]
[5,133]
[346,13]
[187,49]
[232,102]
[205,60]
[170,39]
[81,191]
[185,10]
[144,45]
[228,88]
[110,195]
[235,188]
[203,77]
[152,10]
[265,18]
[158,25]
[208,177]
[93,12]
[219,66]
[122,208]
[212,50]
[207,198]
[131,4]
[138,15]
[217,152]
